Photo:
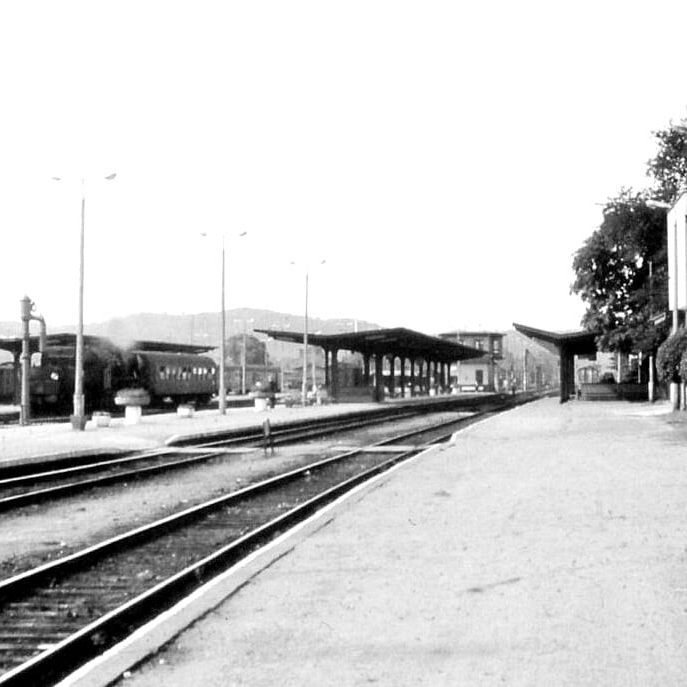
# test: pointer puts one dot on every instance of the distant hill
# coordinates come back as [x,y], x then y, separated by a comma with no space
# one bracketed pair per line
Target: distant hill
[195,328]
[202,328]
[12,328]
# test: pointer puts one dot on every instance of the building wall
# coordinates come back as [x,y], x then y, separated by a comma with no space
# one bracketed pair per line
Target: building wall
[590,371]
[479,372]
[475,372]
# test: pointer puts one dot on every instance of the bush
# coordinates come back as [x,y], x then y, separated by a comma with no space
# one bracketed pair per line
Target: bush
[669,357]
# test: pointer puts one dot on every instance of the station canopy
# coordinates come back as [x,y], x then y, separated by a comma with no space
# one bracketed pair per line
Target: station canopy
[574,342]
[398,341]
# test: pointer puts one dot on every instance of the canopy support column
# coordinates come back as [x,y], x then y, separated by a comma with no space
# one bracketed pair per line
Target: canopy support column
[379,378]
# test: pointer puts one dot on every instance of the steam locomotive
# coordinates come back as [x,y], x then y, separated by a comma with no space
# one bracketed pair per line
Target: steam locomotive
[169,373]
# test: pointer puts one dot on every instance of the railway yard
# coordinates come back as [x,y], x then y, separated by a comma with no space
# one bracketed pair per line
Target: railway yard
[343,346]
[512,542]
[57,503]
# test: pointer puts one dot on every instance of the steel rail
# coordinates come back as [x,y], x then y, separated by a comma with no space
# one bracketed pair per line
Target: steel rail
[13,584]
[250,441]
[59,659]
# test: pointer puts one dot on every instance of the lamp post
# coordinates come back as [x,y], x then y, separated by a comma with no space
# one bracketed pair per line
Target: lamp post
[651,387]
[304,383]
[222,390]
[222,400]
[78,419]
[673,295]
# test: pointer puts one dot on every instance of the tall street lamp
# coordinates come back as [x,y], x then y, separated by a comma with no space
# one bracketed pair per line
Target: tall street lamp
[78,419]
[673,282]
[304,384]
[222,392]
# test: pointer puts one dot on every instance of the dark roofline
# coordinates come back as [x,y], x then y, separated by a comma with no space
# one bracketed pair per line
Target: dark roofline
[13,345]
[579,342]
[398,340]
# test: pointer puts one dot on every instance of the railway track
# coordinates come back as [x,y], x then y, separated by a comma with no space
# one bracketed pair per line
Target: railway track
[25,489]
[60,614]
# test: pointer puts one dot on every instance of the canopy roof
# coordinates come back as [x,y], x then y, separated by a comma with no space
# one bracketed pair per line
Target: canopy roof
[399,341]
[575,342]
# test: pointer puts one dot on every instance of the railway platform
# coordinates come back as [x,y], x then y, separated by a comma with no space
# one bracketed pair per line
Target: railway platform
[45,442]
[544,546]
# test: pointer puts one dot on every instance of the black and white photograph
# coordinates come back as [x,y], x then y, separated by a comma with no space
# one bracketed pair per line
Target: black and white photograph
[343,343]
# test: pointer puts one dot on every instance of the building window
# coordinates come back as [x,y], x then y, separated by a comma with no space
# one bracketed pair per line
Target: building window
[479,377]
[479,344]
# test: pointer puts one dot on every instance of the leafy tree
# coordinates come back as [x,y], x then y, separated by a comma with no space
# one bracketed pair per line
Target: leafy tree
[670,357]
[256,351]
[622,275]
[669,167]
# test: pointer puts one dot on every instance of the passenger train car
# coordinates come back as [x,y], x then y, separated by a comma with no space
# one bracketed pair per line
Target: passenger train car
[173,377]
[169,373]
[7,383]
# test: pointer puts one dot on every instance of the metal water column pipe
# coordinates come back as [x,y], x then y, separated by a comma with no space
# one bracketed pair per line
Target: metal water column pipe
[25,362]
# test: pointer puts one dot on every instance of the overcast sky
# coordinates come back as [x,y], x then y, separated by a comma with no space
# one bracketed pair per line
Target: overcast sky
[446,159]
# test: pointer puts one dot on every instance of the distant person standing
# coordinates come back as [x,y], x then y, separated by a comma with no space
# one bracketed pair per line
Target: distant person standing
[272,389]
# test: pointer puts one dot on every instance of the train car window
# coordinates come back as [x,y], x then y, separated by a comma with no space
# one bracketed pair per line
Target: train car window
[161,372]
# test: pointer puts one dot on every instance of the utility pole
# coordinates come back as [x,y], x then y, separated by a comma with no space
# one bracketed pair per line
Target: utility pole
[243,361]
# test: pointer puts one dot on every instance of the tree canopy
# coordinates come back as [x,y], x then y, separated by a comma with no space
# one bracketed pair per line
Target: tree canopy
[621,271]
[256,350]
[669,167]
[622,275]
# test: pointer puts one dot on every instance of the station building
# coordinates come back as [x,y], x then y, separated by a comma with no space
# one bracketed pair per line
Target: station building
[480,373]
